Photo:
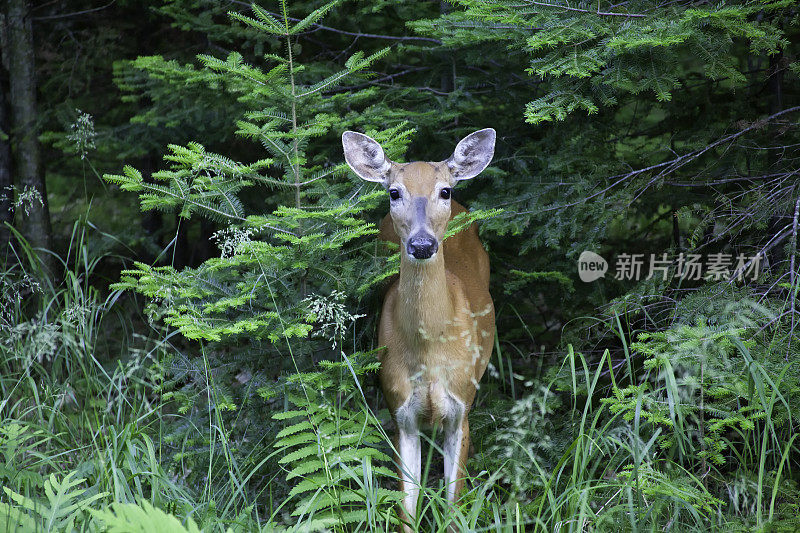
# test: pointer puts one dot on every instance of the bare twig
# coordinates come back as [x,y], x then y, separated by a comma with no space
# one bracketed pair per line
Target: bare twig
[724,181]
[379,36]
[388,77]
[76,13]
[598,12]
[772,243]
[667,167]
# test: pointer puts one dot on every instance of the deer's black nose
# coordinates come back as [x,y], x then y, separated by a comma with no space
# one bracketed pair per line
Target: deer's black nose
[422,246]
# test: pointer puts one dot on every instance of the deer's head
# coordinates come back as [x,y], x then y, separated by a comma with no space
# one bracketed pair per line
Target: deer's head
[419,192]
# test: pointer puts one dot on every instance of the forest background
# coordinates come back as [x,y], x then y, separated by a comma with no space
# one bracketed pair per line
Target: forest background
[191,280]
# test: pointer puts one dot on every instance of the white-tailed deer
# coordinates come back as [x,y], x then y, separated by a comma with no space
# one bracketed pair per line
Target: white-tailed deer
[437,322]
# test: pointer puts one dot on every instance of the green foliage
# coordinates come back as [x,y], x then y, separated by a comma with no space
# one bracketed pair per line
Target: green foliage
[65,503]
[702,383]
[640,110]
[623,128]
[13,518]
[198,180]
[234,295]
[332,453]
[294,262]
[67,506]
[15,440]
[595,54]
[275,293]
[75,430]
[272,259]
[667,495]
[133,518]
[708,398]
[523,446]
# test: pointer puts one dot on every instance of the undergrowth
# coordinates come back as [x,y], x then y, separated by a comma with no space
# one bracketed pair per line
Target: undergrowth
[688,428]
[250,403]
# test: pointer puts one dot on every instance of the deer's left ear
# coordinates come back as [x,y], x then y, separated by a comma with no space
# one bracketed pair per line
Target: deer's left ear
[365,156]
[472,154]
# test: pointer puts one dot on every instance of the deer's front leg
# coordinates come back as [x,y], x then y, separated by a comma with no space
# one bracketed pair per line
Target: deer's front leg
[409,451]
[453,446]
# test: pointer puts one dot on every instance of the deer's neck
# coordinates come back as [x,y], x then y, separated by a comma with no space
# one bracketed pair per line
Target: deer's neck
[425,303]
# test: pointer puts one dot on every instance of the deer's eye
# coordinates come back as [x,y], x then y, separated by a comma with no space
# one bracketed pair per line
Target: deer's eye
[445,193]
[394,194]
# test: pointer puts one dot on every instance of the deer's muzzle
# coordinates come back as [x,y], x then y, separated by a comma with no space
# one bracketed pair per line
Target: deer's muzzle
[422,246]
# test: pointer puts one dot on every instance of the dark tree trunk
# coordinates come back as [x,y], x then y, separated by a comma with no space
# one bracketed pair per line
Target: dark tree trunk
[33,220]
[6,176]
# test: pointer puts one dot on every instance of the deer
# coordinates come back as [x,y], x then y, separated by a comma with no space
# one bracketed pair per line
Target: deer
[437,321]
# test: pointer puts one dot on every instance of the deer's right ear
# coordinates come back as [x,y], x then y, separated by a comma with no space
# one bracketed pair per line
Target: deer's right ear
[365,156]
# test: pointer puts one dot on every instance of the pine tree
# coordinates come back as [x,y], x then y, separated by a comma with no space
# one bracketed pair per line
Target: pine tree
[293,226]
[637,115]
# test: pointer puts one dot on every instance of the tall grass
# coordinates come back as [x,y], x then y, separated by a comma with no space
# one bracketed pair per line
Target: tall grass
[624,442]
[688,429]
[71,407]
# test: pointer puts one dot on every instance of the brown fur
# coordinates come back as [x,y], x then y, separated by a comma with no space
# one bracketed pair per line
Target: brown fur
[438,317]
[437,324]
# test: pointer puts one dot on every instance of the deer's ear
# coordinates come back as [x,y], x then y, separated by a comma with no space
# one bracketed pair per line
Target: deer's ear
[365,156]
[472,154]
